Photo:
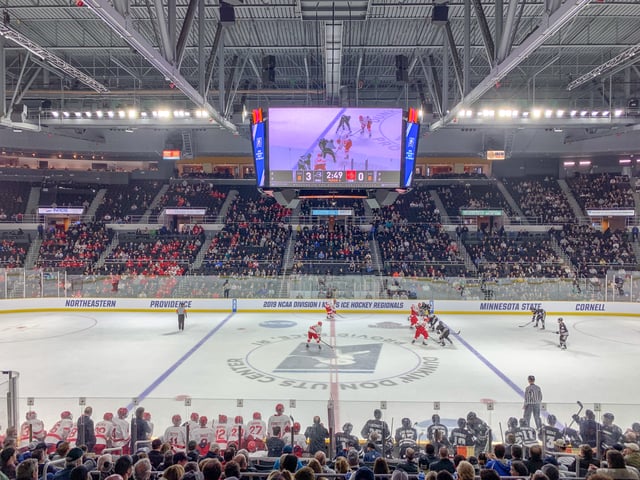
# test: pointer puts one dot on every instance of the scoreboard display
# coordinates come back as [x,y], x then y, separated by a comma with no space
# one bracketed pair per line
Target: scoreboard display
[352,148]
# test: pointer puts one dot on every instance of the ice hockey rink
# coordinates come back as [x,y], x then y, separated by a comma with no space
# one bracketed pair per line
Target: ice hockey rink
[238,363]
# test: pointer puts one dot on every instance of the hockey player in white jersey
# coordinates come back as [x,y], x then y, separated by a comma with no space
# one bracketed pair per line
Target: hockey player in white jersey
[60,431]
[103,430]
[203,435]
[221,432]
[237,433]
[176,434]
[31,430]
[298,438]
[257,431]
[279,419]
[121,433]
[191,424]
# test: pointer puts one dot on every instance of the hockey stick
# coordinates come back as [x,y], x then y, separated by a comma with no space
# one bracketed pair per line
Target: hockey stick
[524,325]
[339,315]
[328,345]
[577,413]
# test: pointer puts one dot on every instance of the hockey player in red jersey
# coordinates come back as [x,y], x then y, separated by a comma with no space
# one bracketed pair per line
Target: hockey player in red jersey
[59,432]
[120,435]
[175,434]
[421,330]
[414,310]
[203,436]
[279,420]
[31,430]
[314,333]
[103,430]
[413,319]
[257,431]
[330,308]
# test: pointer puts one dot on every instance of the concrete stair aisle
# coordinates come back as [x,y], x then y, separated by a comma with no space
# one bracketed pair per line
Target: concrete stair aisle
[156,201]
[208,238]
[577,210]
[32,254]
[96,202]
[287,257]
[561,253]
[33,202]
[107,251]
[512,203]
[376,257]
[440,206]
[222,214]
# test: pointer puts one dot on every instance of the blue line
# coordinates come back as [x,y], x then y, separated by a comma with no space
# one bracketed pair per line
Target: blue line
[145,393]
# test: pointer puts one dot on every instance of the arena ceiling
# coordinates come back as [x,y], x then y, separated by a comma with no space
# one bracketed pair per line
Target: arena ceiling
[140,56]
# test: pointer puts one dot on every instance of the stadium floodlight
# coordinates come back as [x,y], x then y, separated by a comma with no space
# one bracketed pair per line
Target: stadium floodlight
[55,114]
[66,114]
[88,114]
[10,33]
[618,113]
[583,113]
[584,163]
[626,56]
[595,113]
[110,114]
[537,113]
[559,113]
[605,113]
[573,113]
[525,114]
[548,113]
[99,114]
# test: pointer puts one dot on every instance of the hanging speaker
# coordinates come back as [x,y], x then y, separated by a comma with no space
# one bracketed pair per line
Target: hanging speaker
[227,14]
[440,14]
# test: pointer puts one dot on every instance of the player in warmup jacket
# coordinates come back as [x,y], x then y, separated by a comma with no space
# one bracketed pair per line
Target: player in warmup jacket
[421,330]
[563,331]
[257,431]
[315,333]
[176,434]
[549,434]
[237,433]
[330,308]
[444,333]
[121,434]
[103,430]
[279,420]
[31,430]
[59,432]
[203,435]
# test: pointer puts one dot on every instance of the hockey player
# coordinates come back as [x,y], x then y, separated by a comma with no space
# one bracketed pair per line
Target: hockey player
[443,333]
[299,440]
[192,423]
[59,432]
[363,124]
[344,123]
[377,431]
[413,310]
[461,436]
[588,427]
[315,333]
[424,309]
[320,163]
[221,431]
[610,434]
[237,432]
[103,430]
[346,441]
[526,435]
[279,419]
[512,428]
[432,320]
[436,426]
[564,334]
[330,308]
[413,320]
[72,438]
[421,330]
[257,431]
[549,433]
[176,434]
[120,435]
[31,430]
[481,431]
[369,124]
[203,435]
[406,437]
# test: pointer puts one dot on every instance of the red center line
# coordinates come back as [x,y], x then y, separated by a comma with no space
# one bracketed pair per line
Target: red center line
[333,373]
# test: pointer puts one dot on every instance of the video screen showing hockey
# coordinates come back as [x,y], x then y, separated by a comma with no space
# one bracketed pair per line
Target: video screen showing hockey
[350,147]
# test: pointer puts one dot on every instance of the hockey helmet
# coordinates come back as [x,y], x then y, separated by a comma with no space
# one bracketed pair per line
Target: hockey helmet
[257,416]
[406,422]
[280,408]
[635,426]
[66,414]
[108,416]
[347,428]
[512,422]
[435,418]
[377,413]
[123,412]
[590,415]
[608,418]
[194,417]
[552,420]
[320,322]
[523,422]
[222,418]
[462,422]
[203,420]
[471,416]
[296,427]
[560,320]
[176,420]
[31,415]
[238,420]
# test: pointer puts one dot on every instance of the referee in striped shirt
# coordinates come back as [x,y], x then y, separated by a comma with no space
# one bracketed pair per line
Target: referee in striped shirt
[532,401]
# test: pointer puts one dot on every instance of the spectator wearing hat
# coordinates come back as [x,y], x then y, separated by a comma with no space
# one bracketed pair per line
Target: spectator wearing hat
[72,460]
[564,461]
[105,465]
[631,454]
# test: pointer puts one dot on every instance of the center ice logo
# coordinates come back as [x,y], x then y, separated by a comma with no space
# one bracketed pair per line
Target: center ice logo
[361,358]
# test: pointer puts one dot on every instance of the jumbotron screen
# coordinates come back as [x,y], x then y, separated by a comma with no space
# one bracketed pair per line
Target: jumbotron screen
[335,147]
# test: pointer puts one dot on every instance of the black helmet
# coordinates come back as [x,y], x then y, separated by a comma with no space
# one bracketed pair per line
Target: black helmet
[435,418]
[471,416]
[406,422]
[512,422]
[462,422]
[552,420]
[377,413]
[590,415]
[608,418]
[347,427]
[523,422]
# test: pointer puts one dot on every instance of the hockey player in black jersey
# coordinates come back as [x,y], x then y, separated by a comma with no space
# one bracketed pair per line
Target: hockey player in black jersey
[462,435]
[539,316]
[377,431]
[345,441]
[525,434]
[610,433]
[443,333]
[549,433]
[432,321]
[481,432]
[436,426]
[406,437]
[588,427]
[512,427]
[563,331]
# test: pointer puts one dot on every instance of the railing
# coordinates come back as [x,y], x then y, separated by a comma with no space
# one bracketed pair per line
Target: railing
[19,283]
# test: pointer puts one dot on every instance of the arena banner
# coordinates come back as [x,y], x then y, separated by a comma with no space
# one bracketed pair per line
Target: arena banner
[366,306]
